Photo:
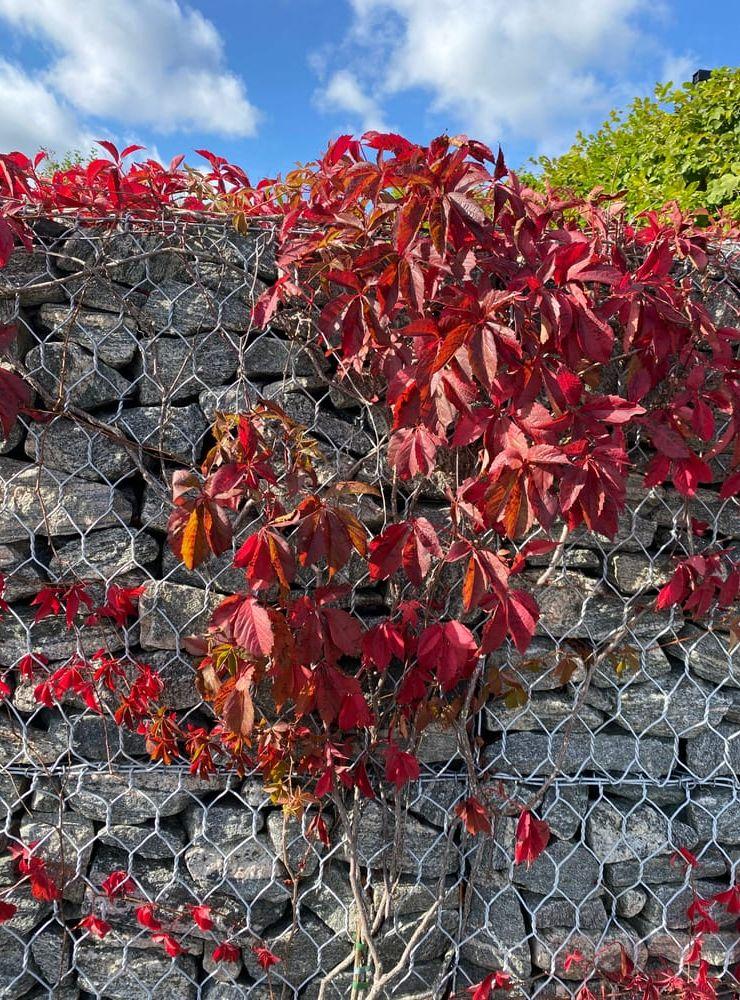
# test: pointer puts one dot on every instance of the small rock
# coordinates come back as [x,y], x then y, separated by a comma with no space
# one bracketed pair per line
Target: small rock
[552,912]
[307,952]
[629,902]
[165,840]
[245,868]
[69,372]
[23,573]
[291,844]
[21,634]
[661,869]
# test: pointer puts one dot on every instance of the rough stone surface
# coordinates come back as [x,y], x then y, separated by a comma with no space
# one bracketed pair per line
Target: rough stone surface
[172,368]
[177,432]
[170,611]
[112,338]
[634,832]
[50,502]
[82,451]
[69,373]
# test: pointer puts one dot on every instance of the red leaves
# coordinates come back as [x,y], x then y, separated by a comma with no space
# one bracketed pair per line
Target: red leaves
[327,532]
[118,884]
[96,926]
[15,395]
[246,623]
[202,917]
[43,886]
[146,916]
[267,559]
[412,451]
[199,526]
[226,952]
[450,651]
[234,703]
[265,957]
[411,544]
[494,981]
[701,582]
[400,766]
[170,944]
[532,836]
[52,601]
[474,816]
[7,911]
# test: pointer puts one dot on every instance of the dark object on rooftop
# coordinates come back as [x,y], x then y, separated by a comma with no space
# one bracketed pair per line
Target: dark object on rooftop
[700,75]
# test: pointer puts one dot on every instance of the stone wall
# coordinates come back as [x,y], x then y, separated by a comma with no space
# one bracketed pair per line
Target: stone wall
[135,337]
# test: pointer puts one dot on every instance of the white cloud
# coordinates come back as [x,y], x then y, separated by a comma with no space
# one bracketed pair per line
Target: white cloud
[678,69]
[344,93]
[31,116]
[534,69]
[133,64]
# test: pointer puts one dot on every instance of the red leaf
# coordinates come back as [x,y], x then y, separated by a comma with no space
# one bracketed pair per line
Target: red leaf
[449,650]
[98,927]
[264,956]
[494,981]
[7,911]
[168,942]
[226,952]
[532,836]
[400,766]
[146,916]
[202,917]
[474,816]
[6,242]
[247,621]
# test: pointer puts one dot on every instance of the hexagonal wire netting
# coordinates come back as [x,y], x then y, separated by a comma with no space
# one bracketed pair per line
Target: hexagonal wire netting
[135,335]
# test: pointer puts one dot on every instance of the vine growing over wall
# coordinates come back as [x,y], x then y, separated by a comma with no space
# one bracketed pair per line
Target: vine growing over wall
[523,349]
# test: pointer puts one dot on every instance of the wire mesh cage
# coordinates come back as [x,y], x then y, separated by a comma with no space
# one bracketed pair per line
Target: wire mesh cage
[134,335]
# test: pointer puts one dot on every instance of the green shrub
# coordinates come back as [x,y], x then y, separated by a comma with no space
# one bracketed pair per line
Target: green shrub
[683,144]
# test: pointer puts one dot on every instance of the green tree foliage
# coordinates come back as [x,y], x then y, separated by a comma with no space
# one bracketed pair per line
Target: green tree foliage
[683,144]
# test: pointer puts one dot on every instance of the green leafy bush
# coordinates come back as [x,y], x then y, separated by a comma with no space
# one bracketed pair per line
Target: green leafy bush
[683,144]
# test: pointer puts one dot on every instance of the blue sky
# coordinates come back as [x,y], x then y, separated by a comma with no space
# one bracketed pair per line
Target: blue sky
[267,83]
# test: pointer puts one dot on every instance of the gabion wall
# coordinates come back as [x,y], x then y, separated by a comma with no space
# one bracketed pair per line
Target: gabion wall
[135,337]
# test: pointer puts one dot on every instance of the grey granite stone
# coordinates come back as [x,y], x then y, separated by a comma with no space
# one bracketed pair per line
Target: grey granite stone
[113,338]
[74,375]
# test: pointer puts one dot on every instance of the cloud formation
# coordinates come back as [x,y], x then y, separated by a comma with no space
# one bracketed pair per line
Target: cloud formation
[133,64]
[534,69]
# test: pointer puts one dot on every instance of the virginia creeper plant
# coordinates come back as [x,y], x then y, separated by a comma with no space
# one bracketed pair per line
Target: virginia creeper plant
[529,354]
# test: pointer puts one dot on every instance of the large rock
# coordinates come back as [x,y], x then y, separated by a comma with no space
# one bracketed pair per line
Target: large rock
[635,574]
[605,753]
[66,848]
[21,634]
[133,798]
[552,946]
[708,655]
[542,711]
[134,974]
[24,575]
[169,612]
[715,813]
[673,705]
[663,868]
[572,606]
[307,952]
[667,905]
[68,372]
[172,432]
[130,258]
[83,451]
[706,505]
[719,950]
[112,338]
[426,851]
[243,867]
[714,752]
[48,501]
[31,278]
[495,936]
[174,307]
[161,840]
[105,555]
[15,977]
[567,870]
[625,832]
[557,912]
[340,433]
[174,368]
